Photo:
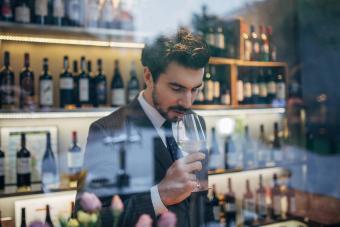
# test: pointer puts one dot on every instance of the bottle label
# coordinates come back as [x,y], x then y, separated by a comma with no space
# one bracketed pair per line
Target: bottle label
[280,91]
[247,90]
[75,159]
[107,12]
[263,90]
[41,7]
[66,83]
[132,94]
[277,204]
[27,85]
[93,11]
[255,89]
[219,40]
[240,94]
[84,89]
[46,92]
[74,10]
[48,179]
[6,10]
[101,91]
[247,49]
[210,39]
[256,47]
[271,86]
[249,209]
[230,207]
[208,90]
[22,14]
[216,212]
[2,166]
[118,96]
[23,165]
[58,8]
[225,99]
[292,205]
[217,89]
[262,203]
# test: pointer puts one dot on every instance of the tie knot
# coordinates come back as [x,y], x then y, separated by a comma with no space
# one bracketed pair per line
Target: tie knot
[167,125]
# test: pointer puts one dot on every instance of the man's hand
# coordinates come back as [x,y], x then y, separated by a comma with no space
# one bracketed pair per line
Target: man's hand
[180,179]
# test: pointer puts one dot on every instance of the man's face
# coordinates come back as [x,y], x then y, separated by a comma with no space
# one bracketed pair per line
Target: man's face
[175,90]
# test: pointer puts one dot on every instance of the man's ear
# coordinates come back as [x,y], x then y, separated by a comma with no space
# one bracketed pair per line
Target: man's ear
[148,78]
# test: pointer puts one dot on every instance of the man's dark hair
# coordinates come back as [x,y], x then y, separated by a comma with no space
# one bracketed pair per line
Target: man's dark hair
[184,48]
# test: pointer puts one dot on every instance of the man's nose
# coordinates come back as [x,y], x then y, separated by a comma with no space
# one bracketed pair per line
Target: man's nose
[186,100]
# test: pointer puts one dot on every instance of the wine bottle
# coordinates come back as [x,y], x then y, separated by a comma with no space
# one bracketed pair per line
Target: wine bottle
[225,95]
[264,45]
[247,46]
[263,87]
[84,84]
[100,86]
[76,83]
[49,174]
[240,87]
[92,15]
[27,85]
[23,217]
[263,152]
[133,84]
[249,212]
[208,86]
[6,11]
[46,87]
[280,89]
[22,12]
[59,12]
[92,90]
[7,84]
[249,159]
[255,88]
[230,206]
[117,87]
[106,16]
[66,86]
[255,44]
[215,203]
[272,47]
[41,11]
[23,166]
[271,86]
[214,154]
[291,199]
[277,144]
[74,12]
[276,199]
[219,42]
[216,86]
[2,170]
[75,159]
[247,88]
[48,219]
[261,200]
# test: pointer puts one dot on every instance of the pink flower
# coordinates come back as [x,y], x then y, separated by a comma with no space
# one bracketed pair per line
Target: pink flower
[117,204]
[144,221]
[167,219]
[90,202]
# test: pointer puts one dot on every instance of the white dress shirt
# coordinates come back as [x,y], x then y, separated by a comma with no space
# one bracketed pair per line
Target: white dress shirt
[157,120]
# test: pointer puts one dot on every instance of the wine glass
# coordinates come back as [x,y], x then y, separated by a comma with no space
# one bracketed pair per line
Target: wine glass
[191,138]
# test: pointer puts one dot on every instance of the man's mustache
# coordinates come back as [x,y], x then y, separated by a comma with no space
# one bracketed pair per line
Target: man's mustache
[179,109]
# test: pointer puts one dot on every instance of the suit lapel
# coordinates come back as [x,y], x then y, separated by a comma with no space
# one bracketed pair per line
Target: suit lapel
[139,119]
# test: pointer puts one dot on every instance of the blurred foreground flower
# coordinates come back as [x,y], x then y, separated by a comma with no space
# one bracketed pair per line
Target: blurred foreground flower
[144,221]
[90,203]
[38,224]
[167,219]
[117,208]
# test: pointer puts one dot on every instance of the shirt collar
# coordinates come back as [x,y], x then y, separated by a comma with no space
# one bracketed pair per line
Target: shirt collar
[155,117]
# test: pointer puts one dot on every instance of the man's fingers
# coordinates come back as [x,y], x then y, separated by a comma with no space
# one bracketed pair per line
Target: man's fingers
[193,167]
[193,157]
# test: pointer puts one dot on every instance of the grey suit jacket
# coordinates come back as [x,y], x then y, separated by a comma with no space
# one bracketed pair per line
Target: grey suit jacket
[190,212]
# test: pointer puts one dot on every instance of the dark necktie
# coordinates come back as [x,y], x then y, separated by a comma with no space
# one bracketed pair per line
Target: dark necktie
[171,143]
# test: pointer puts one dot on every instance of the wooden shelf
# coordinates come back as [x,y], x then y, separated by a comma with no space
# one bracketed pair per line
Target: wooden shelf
[238,62]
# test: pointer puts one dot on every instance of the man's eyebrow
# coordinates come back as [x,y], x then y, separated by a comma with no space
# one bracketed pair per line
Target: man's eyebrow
[181,86]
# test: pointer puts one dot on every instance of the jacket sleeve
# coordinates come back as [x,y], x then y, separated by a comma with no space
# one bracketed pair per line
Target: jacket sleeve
[98,161]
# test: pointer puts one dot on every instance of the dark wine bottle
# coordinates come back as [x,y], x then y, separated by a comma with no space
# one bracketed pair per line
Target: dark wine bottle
[100,86]
[23,217]
[261,205]
[27,85]
[216,86]
[84,84]
[48,220]
[208,86]
[230,206]
[66,86]
[249,212]
[49,174]
[277,144]
[271,86]
[133,84]
[214,154]
[255,88]
[263,87]
[76,83]
[23,166]
[7,10]
[46,87]
[92,91]
[272,47]
[7,93]
[117,87]
[247,88]
[276,199]
[254,38]
[2,170]
[215,203]
[58,13]
[264,45]
[41,11]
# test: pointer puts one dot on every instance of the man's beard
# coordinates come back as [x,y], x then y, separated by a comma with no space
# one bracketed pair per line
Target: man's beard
[164,113]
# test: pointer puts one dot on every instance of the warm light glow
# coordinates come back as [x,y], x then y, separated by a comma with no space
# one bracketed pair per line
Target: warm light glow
[226,126]
[71,41]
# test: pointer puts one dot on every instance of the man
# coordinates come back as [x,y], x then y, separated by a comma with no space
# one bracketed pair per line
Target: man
[173,74]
